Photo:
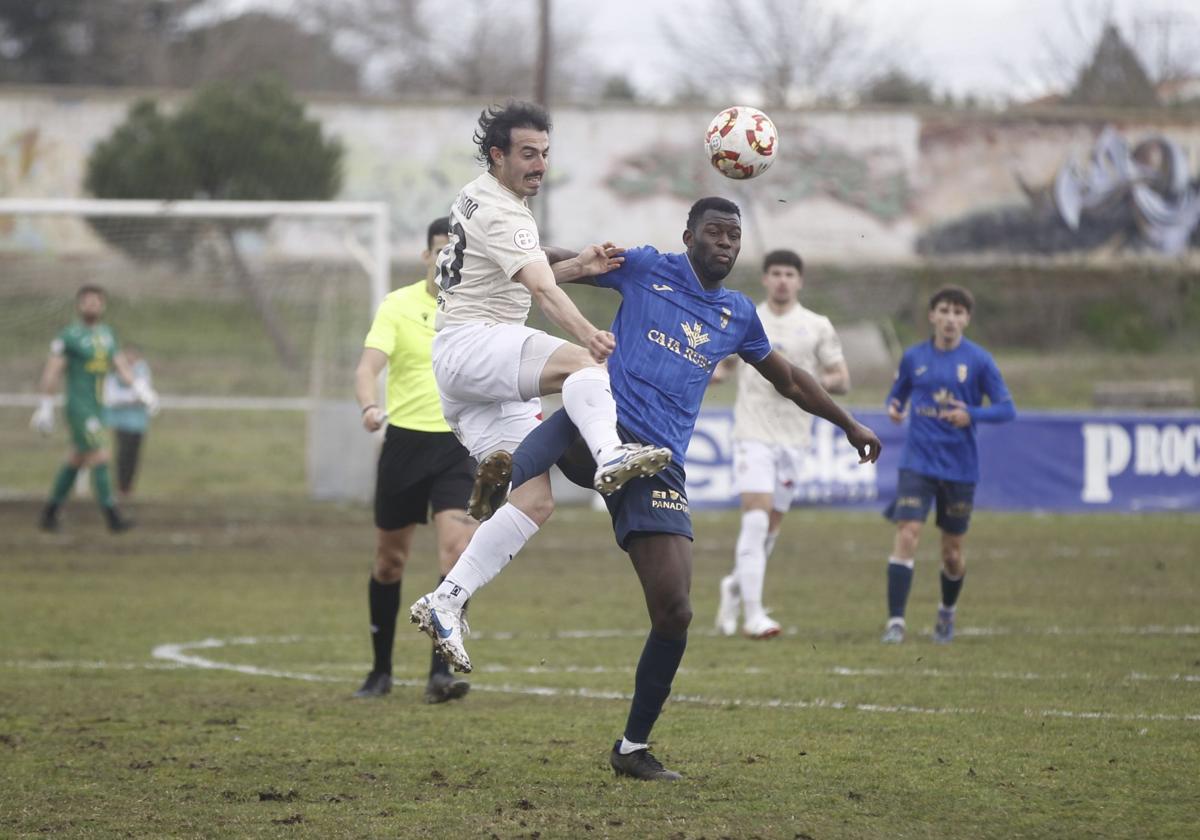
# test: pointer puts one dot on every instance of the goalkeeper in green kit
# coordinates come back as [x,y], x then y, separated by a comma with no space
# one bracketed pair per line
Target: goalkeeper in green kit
[84,351]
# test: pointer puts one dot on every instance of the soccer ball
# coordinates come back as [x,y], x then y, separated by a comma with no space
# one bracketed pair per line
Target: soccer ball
[741,142]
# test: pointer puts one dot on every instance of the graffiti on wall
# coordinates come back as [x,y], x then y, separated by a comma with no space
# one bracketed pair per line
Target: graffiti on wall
[1136,197]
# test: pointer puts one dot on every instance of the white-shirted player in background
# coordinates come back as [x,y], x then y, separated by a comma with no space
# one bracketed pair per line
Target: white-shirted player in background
[771,436]
[491,368]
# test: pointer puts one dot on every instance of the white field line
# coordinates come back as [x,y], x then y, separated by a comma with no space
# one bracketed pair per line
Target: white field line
[1147,630]
[179,653]
[835,670]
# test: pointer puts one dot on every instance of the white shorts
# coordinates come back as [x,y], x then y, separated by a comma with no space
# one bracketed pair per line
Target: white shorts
[478,369]
[773,468]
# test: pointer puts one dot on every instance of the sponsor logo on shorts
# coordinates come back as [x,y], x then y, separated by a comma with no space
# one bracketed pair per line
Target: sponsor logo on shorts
[908,501]
[959,510]
[668,500]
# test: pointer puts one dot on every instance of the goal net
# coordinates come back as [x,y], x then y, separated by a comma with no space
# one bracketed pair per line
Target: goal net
[236,305]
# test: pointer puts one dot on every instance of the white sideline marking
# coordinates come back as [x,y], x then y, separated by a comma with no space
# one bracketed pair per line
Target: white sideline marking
[89,665]
[177,653]
[835,670]
[1148,630]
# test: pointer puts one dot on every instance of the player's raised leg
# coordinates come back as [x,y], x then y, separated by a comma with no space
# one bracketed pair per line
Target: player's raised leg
[588,401]
[494,544]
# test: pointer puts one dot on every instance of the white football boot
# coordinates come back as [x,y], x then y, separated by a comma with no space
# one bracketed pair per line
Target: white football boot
[447,626]
[730,606]
[634,461]
[893,634]
[761,626]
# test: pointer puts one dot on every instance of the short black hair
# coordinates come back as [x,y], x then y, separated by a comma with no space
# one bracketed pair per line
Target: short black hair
[438,227]
[712,202]
[783,256]
[91,289]
[496,123]
[954,295]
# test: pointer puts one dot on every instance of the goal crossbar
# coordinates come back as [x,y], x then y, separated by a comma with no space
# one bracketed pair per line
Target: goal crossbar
[374,211]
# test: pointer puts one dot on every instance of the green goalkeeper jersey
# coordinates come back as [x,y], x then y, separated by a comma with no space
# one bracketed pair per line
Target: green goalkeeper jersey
[89,353]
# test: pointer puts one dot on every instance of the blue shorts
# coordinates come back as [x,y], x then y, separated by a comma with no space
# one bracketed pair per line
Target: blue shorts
[654,505]
[915,493]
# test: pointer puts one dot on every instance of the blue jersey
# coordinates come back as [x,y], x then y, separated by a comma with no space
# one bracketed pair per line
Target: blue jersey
[671,332]
[931,380]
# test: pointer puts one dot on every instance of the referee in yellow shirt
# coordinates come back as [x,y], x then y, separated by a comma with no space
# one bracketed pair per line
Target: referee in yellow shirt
[422,464]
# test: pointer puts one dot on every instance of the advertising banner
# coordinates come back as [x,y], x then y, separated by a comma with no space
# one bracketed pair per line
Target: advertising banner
[1040,461]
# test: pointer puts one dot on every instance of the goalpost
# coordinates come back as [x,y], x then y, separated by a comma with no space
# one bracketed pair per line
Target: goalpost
[238,305]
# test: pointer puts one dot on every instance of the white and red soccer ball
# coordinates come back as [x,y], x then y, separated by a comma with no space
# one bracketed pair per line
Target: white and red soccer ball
[741,142]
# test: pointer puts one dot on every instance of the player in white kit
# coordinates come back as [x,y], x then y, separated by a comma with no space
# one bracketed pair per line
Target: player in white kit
[770,438]
[491,368]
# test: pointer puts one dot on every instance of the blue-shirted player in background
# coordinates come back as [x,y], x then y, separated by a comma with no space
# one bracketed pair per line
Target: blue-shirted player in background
[675,323]
[943,382]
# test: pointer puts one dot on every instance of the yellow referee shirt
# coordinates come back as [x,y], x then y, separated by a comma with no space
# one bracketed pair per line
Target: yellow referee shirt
[403,331]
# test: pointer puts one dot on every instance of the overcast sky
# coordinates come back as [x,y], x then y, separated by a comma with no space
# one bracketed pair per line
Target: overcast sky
[995,48]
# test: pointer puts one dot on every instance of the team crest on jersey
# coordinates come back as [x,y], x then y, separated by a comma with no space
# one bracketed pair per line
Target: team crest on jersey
[695,334]
[525,239]
[726,314]
[961,370]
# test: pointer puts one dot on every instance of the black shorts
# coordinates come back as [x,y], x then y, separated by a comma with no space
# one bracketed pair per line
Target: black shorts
[419,470]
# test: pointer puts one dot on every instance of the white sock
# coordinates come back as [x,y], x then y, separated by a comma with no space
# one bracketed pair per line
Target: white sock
[751,564]
[770,545]
[628,746]
[495,543]
[587,398]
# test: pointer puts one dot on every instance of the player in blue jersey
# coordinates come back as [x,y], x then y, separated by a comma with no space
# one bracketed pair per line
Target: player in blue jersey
[942,382]
[675,323]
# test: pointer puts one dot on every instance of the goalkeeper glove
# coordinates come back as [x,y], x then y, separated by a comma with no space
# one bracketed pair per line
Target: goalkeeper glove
[146,395]
[43,419]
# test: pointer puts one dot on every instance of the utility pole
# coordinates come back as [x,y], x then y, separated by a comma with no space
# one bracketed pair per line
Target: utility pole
[541,95]
[541,81]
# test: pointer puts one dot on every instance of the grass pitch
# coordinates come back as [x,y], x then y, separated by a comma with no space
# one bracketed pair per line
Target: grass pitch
[192,679]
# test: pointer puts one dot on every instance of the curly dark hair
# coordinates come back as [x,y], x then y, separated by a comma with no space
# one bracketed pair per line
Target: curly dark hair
[496,123]
[712,202]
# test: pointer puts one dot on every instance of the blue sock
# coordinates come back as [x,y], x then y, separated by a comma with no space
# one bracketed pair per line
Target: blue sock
[543,447]
[652,684]
[950,589]
[899,582]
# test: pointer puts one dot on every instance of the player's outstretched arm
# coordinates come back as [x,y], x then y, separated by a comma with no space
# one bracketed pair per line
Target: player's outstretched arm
[583,266]
[801,388]
[538,278]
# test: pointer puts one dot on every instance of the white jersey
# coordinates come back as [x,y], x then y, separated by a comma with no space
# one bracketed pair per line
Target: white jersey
[492,237]
[808,341]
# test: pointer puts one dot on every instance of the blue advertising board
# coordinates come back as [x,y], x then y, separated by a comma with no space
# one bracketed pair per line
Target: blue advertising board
[1040,461]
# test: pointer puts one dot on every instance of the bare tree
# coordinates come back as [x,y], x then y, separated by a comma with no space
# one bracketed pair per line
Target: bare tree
[783,51]
[1165,44]
[418,50]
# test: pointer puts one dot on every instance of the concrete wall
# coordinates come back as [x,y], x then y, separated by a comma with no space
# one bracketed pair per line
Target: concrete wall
[854,186]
